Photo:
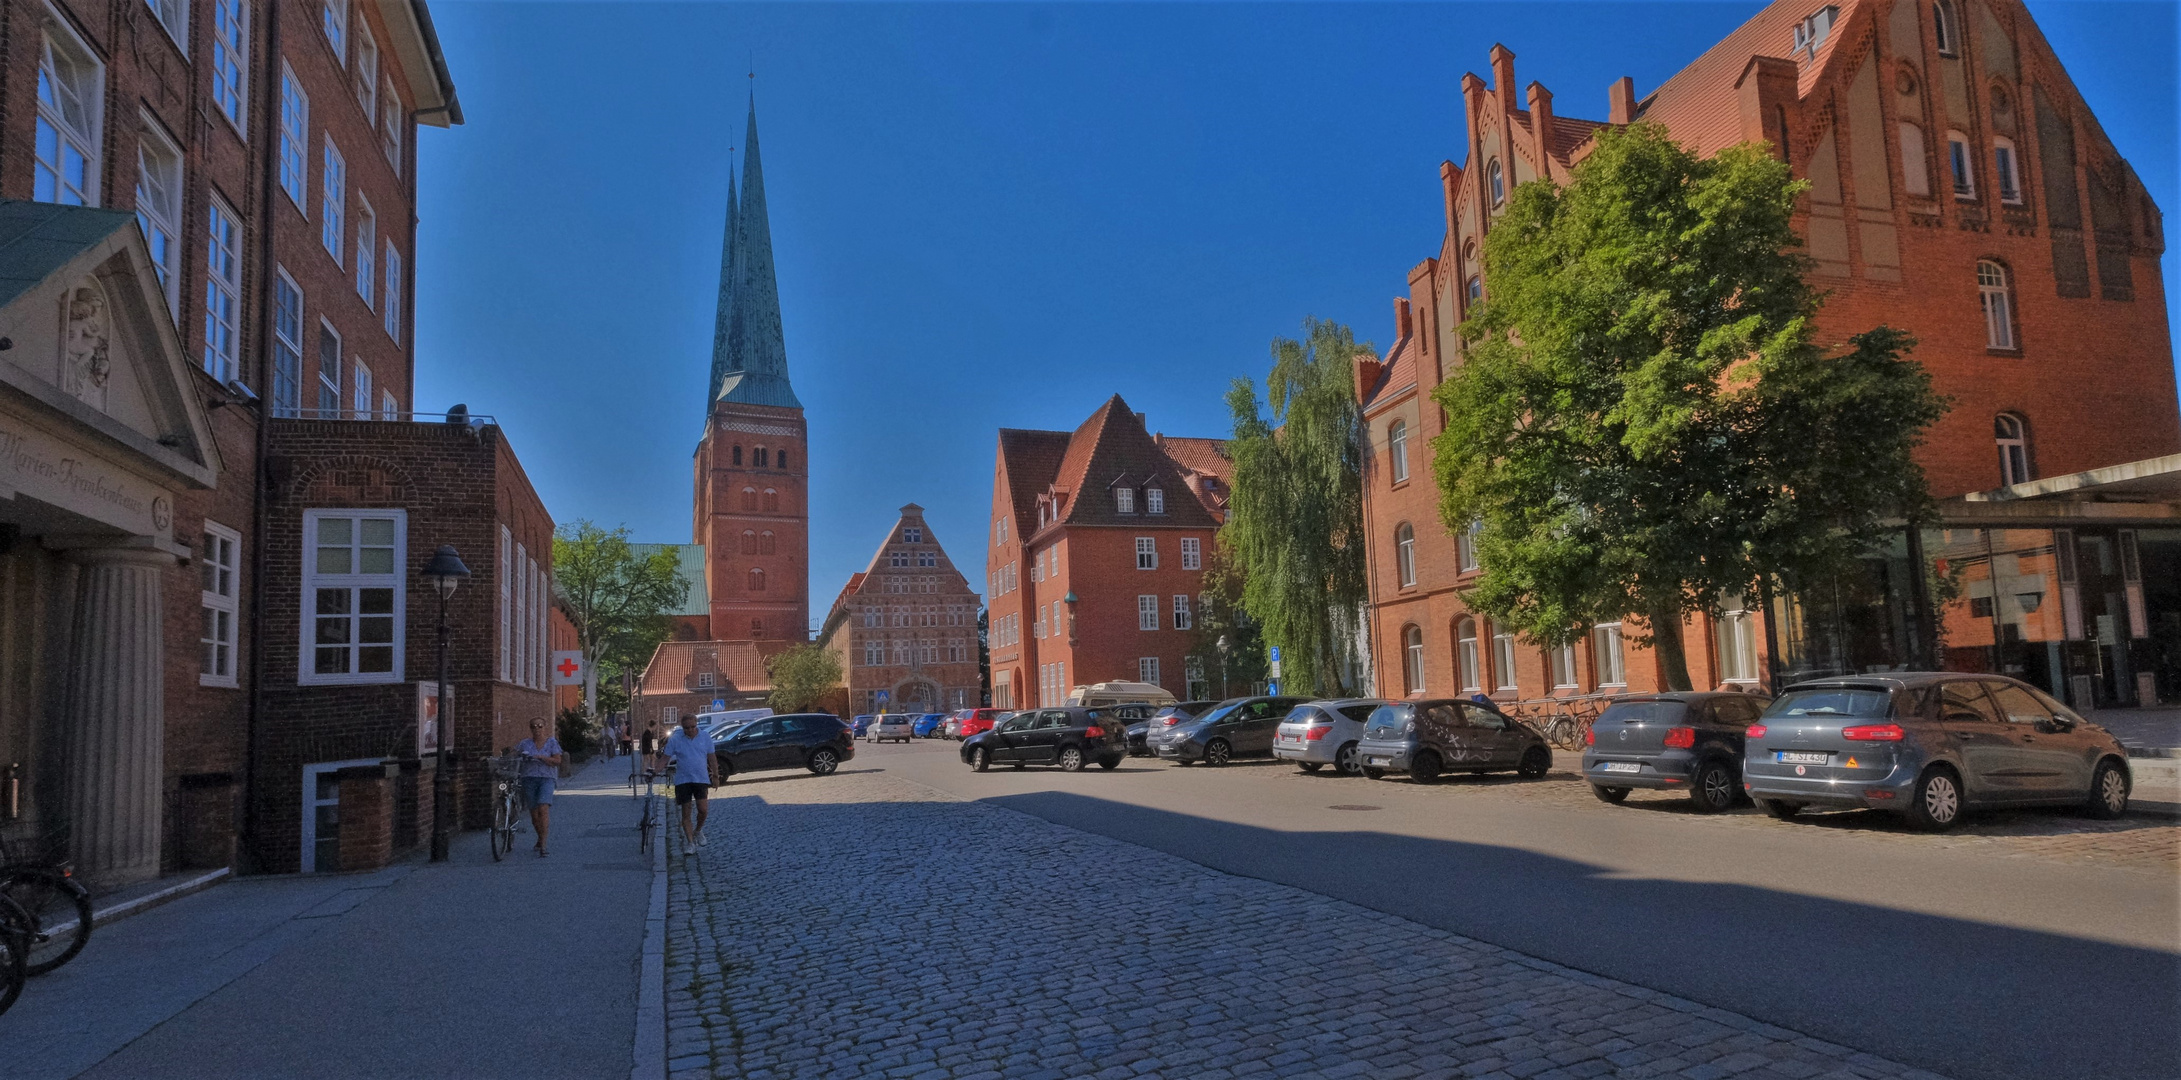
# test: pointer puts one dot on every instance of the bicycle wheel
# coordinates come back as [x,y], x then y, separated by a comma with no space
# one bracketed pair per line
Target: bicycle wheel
[59,908]
[14,949]
[503,825]
[647,826]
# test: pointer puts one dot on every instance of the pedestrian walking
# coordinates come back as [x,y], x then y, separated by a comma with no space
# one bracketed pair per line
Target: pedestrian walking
[625,727]
[692,757]
[610,738]
[541,767]
[651,749]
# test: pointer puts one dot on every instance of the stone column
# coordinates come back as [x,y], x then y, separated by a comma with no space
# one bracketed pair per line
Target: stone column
[116,714]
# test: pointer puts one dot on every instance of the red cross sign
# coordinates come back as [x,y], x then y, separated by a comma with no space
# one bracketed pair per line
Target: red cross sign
[568,668]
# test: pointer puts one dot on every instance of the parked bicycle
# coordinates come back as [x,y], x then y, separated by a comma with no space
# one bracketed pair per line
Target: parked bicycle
[37,878]
[15,934]
[648,822]
[507,808]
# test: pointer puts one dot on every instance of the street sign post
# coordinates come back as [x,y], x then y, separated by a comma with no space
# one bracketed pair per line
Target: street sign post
[1275,663]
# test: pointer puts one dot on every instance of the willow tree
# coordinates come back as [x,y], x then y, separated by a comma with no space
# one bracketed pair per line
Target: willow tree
[1295,519]
[1645,420]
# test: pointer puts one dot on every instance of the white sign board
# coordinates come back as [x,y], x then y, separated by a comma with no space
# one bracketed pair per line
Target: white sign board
[568,668]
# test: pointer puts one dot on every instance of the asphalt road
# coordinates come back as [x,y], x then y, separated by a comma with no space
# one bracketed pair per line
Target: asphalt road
[1967,961]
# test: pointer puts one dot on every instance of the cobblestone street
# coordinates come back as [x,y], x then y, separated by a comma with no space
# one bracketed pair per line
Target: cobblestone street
[864,926]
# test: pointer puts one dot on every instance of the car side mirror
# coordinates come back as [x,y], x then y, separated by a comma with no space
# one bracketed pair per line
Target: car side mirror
[2053,725]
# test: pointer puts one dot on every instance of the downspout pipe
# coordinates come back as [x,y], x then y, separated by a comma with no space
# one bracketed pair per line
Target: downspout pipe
[268,109]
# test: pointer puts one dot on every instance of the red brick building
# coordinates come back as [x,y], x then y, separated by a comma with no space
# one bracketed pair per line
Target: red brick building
[689,677]
[1095,570]
[906,626]
[1960,190]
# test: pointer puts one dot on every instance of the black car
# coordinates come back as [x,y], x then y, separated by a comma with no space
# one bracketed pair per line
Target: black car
[1070,738]
[815,741]
[1139,733]
[1427,738]
[1676,741]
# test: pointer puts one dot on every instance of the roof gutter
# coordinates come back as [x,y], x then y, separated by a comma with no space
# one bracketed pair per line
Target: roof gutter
[449,111]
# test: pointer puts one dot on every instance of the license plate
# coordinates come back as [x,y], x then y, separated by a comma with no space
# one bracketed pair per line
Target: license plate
[1800,757]
[1377,761]
[1291,739]
[1622,766]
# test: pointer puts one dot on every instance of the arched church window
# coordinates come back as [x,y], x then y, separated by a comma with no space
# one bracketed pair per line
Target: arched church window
[760,457]
[781,457]
[772,500]
[749,542]
[749,498]
[757,579]
[765,542]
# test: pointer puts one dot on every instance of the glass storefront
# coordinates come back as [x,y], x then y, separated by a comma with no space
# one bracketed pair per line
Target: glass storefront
[1858,623]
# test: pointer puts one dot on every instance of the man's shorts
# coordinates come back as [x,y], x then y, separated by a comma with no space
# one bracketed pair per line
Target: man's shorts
[537,791]
[685,792]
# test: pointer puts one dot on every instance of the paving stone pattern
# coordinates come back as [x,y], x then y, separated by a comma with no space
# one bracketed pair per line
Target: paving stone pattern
[835,928]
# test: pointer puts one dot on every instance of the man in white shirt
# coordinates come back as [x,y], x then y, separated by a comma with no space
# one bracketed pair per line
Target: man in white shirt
[691,755]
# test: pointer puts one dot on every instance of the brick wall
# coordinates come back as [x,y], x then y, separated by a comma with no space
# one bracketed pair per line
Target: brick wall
[782,607]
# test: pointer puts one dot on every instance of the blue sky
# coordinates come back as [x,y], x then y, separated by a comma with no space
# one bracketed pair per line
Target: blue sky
[987,215]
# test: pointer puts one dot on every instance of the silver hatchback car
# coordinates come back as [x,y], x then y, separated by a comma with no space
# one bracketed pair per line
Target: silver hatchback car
[901,726]
[1321,733]
[1929,746]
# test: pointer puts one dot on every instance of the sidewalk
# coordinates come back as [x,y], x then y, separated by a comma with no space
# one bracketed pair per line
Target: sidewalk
[526,968]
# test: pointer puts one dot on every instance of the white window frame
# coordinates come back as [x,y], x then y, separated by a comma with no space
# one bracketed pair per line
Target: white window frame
[221,561]
[361,384]
[2006,170]
[1962,164]
[1154,500]
[1124,500]
[391,128]
[87,88]
[1404,554]
[1192,553]
[287,388]
[1147,669]
[333,20]
[1147,553]
[1468,659]
[366,74]
[1737,633]
[332,200]
[507,601]
[367,240]
[1183,617]
[329,389]
[160,219]
[231,62]
[173,17]
[1503,659]
[1412,659]
[1397,444]
[223,293]
[2011,436]
[1147,611]
[1496,179]
[1565,674]
[389,409]
[306,660]
[311,803]
[1609,653]
[1946,33]
[1465,549]
[1995,298]
[294,140]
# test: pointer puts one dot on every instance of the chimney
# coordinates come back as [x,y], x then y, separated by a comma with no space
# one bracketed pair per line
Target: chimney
[1503,76]
[1621,101]
[1403,318]
[1367,371]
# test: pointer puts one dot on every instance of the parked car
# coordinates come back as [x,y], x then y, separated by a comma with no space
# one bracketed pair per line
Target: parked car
[1676,741]
[815,741]
[1166,716]
[863,723]
[927,725]
[892,726]
[1930,746]
[1426,739]
[952,729]
[1069,737]
[978,720]
[1237,727]
[1320,733]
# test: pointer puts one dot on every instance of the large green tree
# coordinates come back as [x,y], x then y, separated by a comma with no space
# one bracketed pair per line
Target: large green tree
[1295,520]
[802,676]
[1226,646]
[1644,420]
[617,597]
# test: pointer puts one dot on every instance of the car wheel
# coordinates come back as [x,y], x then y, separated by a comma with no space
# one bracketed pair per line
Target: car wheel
[1348,760]
[1071,759]
[1017,764]
[2108,791]
[1609,794]
[1425,768]
[1373,774]
[1779,809]
[823,762]
[1311,766]
[1714,786]
[1218,752]
[1536,762]
[1110,764]
[980,760]
[1935,804]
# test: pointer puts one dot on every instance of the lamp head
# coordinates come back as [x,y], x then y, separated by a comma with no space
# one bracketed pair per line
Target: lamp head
[445,571]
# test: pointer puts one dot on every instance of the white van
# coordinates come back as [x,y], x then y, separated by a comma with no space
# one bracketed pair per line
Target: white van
[1119,693]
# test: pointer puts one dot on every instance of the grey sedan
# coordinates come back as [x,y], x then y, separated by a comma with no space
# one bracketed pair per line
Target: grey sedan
[1930,747]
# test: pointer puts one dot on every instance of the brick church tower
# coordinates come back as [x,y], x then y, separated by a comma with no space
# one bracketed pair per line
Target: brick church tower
[753,465]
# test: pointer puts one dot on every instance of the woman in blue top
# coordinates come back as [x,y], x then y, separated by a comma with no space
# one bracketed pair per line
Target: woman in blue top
[541,766]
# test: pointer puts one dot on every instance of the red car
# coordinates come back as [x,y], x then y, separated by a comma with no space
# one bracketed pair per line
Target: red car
[977,721]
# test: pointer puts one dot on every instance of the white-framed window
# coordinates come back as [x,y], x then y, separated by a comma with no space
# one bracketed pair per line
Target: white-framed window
[704,680]
[1037,629]
[1147,553]
[1397,447]
[287,344]
[393,293]
[1412,659]
[218,564]
[230,59]
[1192,553]
[367,267]
[1503,659]
[1811,32]
[2011,435]
[1495,180]
[366,73]
[329,370]
[223,293]
[353,596]
[173,16]
[389,409]
[1124,500]
[294,137]
[1944,33]
[506,574]
[1466,656]
[1183,617]
[1147,670]
[159,207]
[1154,500]
[1052,561]
[1995,293]
[1476,288]
[897,558]
[911,534]
[1465,548]
[332,200]
[1915,172]
[362,383]
[927,558]
[670,715]
[1037,569]
[874,653]
[321,831]
[1737,641]
[1147,612]
[334,21]
[1608,651]
[71,101]
[2005,172]
[1564,672]
[1958,157]
[391,128]
[1404,554]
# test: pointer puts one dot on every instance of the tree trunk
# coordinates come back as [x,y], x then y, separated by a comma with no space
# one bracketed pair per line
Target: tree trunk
[1673,659]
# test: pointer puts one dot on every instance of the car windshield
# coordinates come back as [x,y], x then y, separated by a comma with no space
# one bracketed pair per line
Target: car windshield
[1387,721]
[1831,701]
[1219,712]
[1644,712]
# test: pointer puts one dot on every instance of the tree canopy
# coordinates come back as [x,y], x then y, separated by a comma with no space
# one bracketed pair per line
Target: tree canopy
[802,676]
[617,597]
[1643,420]
[1295,519]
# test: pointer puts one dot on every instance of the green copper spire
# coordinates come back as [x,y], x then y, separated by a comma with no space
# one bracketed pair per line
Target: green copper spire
[725,311]
[757,354]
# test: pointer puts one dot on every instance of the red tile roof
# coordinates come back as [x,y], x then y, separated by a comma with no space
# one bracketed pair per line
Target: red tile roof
[1032,459]
[1399,372]
[736,665]
[1700,106]
[1110,449]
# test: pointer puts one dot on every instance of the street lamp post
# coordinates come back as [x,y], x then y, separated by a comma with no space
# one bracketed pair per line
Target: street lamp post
[1226,685]
[446,572]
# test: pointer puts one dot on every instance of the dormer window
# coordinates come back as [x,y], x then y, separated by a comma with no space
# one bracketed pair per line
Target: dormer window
[1811,32]
[704,680]
[1124,500]
[1154,501]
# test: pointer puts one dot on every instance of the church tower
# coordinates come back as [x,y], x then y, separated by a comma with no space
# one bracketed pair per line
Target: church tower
[753,465]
